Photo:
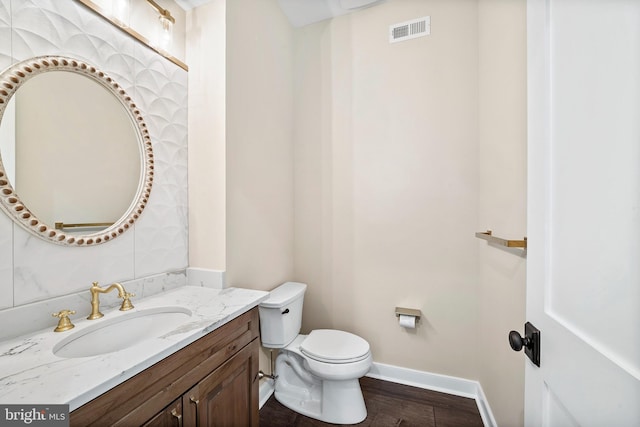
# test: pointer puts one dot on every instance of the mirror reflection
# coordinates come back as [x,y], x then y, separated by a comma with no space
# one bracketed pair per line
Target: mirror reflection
[75,152]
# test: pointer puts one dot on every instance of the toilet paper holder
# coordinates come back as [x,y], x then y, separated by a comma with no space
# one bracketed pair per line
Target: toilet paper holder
[401,311]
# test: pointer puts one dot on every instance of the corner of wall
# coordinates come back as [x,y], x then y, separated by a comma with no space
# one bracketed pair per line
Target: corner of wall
[502,203]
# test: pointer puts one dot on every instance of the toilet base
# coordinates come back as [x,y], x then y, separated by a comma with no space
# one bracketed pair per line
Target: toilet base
[331,401]
[336,402]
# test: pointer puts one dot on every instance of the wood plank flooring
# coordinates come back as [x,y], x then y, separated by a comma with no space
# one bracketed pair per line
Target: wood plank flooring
[389,405]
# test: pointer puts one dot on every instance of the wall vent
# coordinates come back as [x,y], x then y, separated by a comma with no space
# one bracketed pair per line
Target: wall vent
[410,29]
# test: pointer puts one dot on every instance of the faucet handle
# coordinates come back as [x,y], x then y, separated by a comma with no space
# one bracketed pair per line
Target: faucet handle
[64,324]
[126,302]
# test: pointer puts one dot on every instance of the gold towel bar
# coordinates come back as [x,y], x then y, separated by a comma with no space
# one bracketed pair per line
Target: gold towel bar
[62,225]
[486,235]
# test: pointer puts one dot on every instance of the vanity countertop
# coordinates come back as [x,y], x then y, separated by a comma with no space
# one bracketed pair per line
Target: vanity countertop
[31,374]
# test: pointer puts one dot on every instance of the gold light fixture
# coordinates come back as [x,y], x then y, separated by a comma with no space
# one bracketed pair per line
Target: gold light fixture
[118,15]
[165,35]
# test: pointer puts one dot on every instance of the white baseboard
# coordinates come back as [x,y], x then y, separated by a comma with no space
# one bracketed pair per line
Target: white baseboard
[485,410]
[266,390]
[420,379]
[436,382]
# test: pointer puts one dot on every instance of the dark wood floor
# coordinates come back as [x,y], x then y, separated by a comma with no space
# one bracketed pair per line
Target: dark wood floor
[389,405]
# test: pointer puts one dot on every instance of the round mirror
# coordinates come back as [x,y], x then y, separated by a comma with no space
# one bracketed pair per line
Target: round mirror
[76,163]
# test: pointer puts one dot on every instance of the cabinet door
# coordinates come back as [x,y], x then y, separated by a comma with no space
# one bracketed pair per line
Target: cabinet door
[170,417]
[228,397]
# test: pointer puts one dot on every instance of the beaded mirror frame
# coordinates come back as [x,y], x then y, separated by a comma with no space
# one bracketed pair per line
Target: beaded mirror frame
[10,81]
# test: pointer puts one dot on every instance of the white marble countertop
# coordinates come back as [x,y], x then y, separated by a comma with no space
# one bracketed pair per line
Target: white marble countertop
[31,374]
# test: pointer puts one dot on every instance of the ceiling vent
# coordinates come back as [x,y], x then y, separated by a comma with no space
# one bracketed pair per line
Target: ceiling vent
[410,29]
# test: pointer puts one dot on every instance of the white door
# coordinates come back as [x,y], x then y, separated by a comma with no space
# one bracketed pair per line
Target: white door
[583,260]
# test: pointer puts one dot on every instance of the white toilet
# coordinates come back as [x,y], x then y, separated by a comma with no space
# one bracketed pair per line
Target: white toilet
[317,374]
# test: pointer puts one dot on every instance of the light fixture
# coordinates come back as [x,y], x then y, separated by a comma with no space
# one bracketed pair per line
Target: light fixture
[165,34]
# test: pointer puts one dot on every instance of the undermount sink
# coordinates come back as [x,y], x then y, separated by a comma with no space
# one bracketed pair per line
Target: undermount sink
[109,335]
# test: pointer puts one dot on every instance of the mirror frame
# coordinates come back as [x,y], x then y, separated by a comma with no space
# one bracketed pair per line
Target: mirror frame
[10,81]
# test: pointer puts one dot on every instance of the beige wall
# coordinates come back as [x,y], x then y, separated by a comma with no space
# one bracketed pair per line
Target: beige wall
[259,160]
[502,202]
[364,168]
[386,181]
[240,144]
[206,51]
[401,152]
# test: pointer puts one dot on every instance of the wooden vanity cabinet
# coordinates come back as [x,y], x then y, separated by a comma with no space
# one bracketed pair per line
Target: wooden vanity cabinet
[223,398]
[211,382]
[171,416]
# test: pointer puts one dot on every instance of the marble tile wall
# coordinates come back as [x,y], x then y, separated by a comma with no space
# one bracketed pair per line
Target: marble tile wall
[27,318]
[33,270]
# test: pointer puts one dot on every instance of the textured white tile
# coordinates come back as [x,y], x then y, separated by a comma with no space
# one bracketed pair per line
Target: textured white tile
[45,27]
[41,270]
[6,227]
[66,28]
[5,34]
[162,231]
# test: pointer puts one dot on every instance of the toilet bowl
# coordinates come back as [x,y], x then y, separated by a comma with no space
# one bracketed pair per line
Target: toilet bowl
[316,374]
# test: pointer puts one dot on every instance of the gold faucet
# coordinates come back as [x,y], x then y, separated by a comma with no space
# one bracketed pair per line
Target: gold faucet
[64,324]
[96,290]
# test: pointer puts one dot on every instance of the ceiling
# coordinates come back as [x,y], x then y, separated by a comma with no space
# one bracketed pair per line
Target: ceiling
[304,12]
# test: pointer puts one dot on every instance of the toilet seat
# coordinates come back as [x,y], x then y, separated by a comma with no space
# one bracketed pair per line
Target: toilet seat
[333,346]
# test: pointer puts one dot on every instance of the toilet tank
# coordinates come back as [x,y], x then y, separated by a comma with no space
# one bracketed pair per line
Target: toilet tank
[281,315]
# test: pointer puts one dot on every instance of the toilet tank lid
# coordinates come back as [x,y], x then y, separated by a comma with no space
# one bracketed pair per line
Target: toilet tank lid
[284,294]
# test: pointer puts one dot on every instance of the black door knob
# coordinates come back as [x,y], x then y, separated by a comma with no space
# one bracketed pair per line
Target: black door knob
[516,341]
[530,342]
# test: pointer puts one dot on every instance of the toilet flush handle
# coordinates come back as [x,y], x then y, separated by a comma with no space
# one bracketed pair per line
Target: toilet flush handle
[285,311]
